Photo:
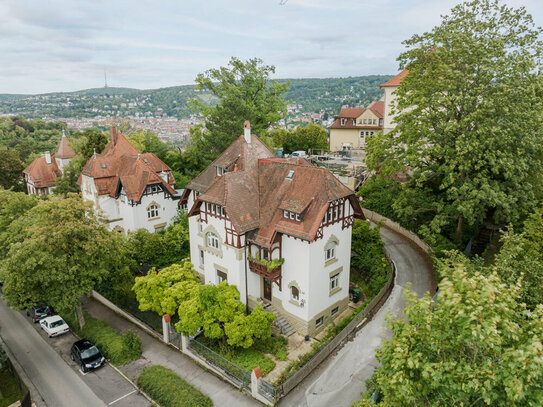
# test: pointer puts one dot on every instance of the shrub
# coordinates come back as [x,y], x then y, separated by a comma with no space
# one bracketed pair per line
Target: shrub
[274,345]
[170,390]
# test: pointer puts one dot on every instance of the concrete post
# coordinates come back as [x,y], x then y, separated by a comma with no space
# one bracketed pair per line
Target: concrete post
[184,343]
[166,328]
[256,375]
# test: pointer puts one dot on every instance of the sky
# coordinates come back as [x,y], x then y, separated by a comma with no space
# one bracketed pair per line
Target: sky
[66,45]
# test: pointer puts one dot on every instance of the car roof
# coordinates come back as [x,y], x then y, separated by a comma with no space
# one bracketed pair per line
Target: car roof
[83,344]
[52,318]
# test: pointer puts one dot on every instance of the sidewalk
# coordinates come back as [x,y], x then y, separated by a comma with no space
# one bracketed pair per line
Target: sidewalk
[156,352]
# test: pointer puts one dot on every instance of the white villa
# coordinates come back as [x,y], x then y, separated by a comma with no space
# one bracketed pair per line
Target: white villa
[132,190]
[249,207]
[42,173]
[390,88]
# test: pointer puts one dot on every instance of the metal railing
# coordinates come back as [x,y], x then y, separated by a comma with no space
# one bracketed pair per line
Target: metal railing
[237,374]
[271,393]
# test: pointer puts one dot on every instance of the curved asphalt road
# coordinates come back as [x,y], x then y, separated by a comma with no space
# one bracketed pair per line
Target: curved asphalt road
[56,382]
[340,380]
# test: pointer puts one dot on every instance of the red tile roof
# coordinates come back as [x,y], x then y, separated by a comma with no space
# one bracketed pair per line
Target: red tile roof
[348,113]
[120,164]
[64,149]
[42,174]
[394,81]
[257,190]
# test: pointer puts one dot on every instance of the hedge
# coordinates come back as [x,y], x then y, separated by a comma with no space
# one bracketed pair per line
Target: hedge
[169,390]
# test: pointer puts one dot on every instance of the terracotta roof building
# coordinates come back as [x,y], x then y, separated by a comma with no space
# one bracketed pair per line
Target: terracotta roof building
[353,126]
[249,207]
[133,190]
[42,173]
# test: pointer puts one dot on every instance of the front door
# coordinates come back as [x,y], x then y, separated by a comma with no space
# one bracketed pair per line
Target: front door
[267,289]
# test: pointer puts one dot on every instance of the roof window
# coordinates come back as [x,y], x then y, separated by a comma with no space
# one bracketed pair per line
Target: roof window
[103,165]
[290,175]
[145,160]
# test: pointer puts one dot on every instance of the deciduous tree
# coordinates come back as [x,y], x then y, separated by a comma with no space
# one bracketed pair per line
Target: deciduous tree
[477,345]
[245,92]
[63,251]
[11,170]
[470,114]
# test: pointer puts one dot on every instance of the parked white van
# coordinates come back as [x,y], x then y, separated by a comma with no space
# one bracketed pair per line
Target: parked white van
[299,153]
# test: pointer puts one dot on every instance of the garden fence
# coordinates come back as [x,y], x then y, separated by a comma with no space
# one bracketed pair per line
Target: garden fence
[237,374]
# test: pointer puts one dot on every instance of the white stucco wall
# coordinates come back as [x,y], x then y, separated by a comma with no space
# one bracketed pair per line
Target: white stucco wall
[390,97]
[121,214]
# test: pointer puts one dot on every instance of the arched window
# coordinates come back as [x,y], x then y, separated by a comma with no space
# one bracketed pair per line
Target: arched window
[212,240]
[330,251]
[294,293]
[152,211]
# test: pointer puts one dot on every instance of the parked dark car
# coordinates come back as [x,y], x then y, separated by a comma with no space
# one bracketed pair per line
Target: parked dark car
[39,312]
[87,355]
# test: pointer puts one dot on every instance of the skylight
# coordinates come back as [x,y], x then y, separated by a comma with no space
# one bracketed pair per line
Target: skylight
[290,175]
[103,165]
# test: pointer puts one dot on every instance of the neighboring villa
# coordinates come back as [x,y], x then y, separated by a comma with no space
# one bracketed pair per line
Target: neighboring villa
[42,173]
[390,89]
[132,190]
[278,229]
[353,126]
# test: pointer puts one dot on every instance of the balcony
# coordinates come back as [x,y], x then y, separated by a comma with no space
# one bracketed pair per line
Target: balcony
[267,269]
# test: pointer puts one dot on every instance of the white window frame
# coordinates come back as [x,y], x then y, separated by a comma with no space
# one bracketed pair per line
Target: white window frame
[334,281]
[330,252]
[202,257]
[285,214]
[319,321]
[152,211]
[220,279]
[212,240]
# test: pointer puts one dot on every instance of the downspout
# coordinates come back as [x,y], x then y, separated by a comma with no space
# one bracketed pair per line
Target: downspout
[246,288]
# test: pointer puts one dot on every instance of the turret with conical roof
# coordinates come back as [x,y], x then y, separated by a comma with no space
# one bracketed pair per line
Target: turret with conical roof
[64,153]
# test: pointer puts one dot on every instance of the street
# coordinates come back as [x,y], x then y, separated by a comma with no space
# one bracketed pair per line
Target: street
[341,378]
[58,380]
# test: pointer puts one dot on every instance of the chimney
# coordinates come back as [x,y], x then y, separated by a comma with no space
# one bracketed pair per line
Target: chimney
[113,135]
[247,132]
[47,156]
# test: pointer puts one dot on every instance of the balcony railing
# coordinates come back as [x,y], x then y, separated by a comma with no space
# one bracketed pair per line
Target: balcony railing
[263,270]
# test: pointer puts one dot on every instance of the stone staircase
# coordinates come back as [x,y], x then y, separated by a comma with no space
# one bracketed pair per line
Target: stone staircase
[281,322]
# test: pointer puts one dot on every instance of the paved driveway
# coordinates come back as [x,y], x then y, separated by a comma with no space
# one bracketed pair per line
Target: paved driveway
[340,380]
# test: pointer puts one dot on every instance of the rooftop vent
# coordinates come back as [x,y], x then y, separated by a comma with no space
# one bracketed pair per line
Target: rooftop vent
[290,175]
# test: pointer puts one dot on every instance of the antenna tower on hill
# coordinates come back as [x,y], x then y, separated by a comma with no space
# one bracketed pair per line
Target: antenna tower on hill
[105,79]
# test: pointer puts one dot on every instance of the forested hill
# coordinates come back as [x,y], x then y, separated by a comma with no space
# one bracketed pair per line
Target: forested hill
[324,95]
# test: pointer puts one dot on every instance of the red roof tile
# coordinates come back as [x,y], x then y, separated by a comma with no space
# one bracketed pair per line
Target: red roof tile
[64,149]
[42,174]
[120,164]
[394,81]
[256,192]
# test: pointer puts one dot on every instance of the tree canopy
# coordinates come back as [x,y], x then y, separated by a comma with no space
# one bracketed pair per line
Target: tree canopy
[11,170]
[304,138]
[245,92]
[470,116]
[476,345]
[60,251]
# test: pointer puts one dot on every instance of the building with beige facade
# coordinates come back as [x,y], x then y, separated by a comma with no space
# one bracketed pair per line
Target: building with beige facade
[353,127]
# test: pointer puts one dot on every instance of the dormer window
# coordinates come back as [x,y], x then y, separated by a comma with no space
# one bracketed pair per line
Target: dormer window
[292,215]
[220,171]
[354,122]
[343,122]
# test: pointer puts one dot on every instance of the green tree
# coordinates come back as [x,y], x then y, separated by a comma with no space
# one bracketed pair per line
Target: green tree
[11,170]
[94,140]
[369,256]
[63,251]
[470,114]
[477,345]
[217,309]
[13,209]
[521,258]
[68,183]
[245,92]
[163,291]
[311,136]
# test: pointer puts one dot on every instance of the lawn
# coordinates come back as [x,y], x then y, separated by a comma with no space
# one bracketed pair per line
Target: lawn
[170,390]
[10,390]
[252,357]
